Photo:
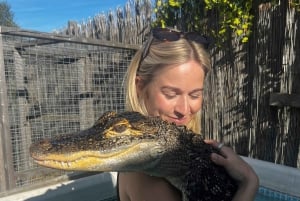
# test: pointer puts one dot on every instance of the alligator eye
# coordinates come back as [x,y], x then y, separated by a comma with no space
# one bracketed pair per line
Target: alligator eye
[120,128]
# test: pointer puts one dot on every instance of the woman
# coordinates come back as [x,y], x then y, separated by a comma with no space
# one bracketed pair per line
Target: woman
[166,79]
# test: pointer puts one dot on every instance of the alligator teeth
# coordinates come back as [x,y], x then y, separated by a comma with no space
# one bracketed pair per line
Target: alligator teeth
[63,164]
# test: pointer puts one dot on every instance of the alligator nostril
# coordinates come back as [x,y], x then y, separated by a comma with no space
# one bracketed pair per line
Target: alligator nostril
[45,144]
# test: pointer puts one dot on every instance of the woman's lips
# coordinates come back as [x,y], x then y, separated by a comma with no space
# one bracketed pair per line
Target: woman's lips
[178,121]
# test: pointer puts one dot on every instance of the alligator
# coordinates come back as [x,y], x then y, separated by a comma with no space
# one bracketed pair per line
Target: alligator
[129,141]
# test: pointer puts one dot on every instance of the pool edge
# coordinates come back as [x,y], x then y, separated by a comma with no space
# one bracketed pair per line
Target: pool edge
[276,177]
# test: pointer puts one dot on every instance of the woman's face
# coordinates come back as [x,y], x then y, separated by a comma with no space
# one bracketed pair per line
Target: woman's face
[175,93]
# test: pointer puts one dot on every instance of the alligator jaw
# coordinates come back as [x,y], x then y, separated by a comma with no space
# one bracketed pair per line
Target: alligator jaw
[119,160]
[113,143]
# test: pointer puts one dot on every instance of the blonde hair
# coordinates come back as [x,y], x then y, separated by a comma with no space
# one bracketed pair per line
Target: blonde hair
[160,55]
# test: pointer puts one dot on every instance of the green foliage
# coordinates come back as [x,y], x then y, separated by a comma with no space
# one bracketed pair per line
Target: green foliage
[177,13]
[235,16]
[295,4]
[232,16]
[6,15]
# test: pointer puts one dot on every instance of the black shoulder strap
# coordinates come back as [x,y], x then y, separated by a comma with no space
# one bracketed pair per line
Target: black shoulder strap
[117,187]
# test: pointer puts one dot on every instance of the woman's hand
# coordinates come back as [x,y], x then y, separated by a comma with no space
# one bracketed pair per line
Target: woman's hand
[238,169]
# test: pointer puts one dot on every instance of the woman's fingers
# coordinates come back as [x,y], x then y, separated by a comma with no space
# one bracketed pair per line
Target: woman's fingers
[214,143]
[238,169]
[221,147]
[227,158]
[218,159]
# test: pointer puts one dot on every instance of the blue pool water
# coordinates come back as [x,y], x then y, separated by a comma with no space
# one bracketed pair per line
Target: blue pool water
[265,194]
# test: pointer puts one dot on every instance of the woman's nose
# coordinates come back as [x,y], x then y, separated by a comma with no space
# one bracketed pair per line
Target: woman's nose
[182,106]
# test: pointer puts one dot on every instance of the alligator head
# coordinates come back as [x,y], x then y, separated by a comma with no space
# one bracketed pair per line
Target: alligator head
[129,141]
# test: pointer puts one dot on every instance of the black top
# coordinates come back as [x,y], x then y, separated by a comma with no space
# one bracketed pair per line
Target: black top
[117,188]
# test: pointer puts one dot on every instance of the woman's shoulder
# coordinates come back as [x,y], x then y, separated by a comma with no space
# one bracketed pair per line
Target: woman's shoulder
[138,179]
[138,186]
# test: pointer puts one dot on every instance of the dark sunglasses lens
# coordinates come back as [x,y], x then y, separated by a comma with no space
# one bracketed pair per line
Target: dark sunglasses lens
[166,35]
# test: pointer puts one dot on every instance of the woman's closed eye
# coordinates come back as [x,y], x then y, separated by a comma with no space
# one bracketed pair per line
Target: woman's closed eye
[197,94]
[170,94]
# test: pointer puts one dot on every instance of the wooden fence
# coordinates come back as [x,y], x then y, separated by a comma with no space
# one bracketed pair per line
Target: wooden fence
[253,89]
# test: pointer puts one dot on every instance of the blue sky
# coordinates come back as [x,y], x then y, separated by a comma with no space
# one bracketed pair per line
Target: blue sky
[50,15]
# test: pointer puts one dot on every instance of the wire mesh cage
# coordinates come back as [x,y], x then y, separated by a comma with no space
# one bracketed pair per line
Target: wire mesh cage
[52,85]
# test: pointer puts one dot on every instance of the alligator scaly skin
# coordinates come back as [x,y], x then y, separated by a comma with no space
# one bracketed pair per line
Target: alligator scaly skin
[129,141]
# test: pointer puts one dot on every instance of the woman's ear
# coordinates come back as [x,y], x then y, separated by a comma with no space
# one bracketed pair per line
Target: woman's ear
[139,85]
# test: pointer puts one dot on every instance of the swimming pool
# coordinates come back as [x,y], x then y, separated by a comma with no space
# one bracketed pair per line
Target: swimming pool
[274,180]
[278,182]
[265,194]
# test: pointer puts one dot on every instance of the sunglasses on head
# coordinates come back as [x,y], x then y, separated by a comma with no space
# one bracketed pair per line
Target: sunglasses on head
[166,34]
